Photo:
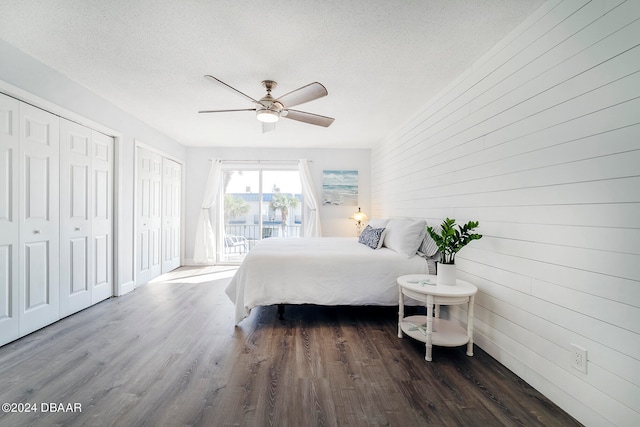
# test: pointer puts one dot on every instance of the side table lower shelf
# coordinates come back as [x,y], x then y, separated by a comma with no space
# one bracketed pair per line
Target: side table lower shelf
[445,332]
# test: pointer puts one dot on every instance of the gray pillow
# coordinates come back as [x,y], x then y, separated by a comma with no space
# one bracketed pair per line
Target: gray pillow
[428,246]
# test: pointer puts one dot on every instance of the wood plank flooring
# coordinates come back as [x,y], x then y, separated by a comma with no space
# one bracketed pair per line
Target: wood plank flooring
[168,354]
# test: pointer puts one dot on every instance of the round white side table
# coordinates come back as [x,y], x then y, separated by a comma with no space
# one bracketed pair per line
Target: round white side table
[431,329]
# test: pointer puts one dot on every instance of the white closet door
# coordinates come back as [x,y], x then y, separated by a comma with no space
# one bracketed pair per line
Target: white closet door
[149,215]
[39,213]
[171,196]
[9,219]
[102,217]
[76,267]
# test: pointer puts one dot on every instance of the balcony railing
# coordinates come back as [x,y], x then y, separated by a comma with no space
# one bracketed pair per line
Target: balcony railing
[241,238]
[252,231]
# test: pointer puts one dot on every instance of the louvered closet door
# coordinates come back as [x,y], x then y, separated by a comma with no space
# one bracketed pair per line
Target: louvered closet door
[75,223]
[171,196]
[39,213]
[9,219]
[102,217]
[148,199]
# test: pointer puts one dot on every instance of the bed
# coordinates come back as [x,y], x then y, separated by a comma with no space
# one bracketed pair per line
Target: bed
[328,270]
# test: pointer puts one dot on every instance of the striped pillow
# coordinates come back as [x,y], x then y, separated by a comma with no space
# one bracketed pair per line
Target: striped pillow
[428,246]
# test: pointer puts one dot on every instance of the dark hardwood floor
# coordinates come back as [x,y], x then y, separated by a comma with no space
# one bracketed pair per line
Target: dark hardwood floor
[168,354]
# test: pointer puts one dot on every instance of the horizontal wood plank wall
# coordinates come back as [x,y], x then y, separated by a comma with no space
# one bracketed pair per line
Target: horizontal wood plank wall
[540,142]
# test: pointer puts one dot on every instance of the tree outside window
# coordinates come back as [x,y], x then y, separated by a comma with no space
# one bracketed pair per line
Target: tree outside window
[233,208]
[282,202]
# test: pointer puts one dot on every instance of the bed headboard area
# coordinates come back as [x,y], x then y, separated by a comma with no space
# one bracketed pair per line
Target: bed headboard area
[406,236]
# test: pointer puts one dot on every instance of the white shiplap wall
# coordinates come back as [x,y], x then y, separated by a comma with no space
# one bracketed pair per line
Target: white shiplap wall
[540,142]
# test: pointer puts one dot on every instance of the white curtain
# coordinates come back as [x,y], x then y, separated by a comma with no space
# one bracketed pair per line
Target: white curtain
[204,251]
[311,226]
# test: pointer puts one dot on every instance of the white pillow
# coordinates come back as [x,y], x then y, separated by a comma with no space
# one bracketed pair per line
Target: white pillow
[378,222]
[404,235]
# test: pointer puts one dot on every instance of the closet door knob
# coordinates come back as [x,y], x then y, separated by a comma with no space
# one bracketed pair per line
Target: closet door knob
[77,228]
[36,231]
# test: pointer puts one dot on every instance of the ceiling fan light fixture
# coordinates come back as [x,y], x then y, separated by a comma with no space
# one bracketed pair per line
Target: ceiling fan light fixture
[267,116]
[269,109]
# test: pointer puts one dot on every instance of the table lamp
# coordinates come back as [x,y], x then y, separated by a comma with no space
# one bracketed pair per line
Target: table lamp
[359,217]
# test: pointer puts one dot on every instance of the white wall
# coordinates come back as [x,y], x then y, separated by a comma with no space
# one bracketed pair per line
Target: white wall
[23,77]
[334,219]
[540,142]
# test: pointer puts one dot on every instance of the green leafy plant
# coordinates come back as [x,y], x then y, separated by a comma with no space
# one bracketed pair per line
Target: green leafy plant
[450,240]
[234,207]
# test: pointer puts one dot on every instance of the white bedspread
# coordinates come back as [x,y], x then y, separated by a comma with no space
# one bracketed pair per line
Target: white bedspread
[323,271]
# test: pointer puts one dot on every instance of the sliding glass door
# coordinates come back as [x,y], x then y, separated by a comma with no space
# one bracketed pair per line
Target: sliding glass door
[258,203]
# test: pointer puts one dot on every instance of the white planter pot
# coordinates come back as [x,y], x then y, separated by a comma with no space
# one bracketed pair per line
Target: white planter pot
[446,274]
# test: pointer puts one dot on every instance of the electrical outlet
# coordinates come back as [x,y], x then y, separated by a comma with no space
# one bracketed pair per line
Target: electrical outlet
[579,358]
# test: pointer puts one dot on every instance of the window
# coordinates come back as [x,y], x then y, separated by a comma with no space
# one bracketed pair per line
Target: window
[258,202]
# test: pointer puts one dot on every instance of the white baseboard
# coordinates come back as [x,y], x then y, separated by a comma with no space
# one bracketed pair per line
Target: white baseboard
[125,288]
[189,262]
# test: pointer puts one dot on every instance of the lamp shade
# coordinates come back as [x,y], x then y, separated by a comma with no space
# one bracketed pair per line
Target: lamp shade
[359,216]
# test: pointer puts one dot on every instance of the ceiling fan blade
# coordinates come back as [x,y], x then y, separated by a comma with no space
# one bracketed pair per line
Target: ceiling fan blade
[304,94]
[226,111]
[230,87]
[312,119]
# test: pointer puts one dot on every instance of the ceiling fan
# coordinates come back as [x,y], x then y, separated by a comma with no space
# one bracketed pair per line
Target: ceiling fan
[269,109]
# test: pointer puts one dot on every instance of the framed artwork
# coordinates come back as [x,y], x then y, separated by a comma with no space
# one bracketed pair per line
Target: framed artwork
[340,187]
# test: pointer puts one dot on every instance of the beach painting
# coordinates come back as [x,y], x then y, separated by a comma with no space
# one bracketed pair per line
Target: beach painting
[340,187]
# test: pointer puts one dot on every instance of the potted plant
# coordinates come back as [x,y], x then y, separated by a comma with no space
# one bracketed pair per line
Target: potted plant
[449,241]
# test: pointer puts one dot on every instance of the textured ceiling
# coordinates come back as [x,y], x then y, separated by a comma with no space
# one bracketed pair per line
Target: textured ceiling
[380,60]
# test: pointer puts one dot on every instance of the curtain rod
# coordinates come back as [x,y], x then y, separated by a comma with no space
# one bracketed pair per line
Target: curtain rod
[261,161]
